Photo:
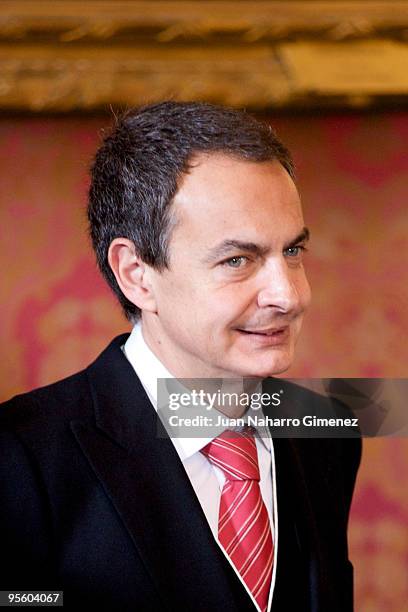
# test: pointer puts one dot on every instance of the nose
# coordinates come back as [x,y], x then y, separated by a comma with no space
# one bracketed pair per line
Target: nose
[282,286]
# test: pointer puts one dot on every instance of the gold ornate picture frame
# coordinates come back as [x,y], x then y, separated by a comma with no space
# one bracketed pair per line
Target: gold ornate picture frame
[65,55]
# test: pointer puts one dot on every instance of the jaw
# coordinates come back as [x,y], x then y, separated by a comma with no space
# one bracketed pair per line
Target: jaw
[258,364]
[229,358]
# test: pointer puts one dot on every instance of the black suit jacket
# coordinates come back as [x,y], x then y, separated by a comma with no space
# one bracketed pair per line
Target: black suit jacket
[94,503]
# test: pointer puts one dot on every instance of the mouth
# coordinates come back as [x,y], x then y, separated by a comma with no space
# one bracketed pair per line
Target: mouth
[272,336]
[270,331]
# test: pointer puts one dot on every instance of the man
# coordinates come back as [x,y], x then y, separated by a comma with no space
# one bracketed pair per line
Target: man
[197,227]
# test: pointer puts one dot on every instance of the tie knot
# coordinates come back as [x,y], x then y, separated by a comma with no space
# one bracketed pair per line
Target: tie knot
[235,454]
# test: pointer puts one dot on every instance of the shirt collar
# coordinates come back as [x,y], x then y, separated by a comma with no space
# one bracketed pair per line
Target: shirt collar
[149,368]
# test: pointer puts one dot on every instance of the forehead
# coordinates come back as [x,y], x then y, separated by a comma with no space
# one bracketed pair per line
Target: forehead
[222,195]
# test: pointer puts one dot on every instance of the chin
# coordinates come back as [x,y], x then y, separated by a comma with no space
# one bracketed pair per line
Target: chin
[260,372]
[272,367]
[270,372]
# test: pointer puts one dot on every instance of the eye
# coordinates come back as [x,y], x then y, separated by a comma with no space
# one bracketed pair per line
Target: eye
[235,262]
[295,251]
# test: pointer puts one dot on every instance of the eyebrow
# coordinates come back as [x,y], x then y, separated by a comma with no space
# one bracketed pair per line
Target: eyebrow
[304,236]
[226,246]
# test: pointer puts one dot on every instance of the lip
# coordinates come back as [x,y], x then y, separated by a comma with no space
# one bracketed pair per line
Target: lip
[272,336]
[268,331]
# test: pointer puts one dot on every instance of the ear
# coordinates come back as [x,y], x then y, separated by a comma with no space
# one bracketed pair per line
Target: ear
[131,273]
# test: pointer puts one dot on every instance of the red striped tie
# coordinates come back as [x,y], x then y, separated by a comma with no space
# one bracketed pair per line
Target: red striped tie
[243,522]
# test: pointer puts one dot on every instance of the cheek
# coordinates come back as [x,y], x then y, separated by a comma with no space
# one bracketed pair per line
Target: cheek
[238,298]
[303,291]
[214,318]
[174,292]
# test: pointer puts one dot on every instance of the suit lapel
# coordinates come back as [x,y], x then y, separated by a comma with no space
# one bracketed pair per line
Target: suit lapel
[308,521]
[150,490]
[299,558]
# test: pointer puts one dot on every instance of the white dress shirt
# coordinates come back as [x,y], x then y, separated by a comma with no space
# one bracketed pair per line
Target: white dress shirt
[207,480]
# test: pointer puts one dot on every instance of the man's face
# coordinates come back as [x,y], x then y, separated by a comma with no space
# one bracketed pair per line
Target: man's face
[231,303]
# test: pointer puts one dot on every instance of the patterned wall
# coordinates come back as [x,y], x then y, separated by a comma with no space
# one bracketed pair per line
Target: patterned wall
[57,314]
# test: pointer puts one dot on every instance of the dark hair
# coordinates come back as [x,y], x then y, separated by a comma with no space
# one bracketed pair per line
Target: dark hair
[137,169]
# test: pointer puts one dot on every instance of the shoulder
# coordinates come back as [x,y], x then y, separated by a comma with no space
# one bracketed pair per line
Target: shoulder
[35,430]
[48,407]
[45,403]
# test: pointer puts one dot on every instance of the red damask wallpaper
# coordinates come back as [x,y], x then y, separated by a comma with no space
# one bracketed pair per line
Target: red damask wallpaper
[57,313]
